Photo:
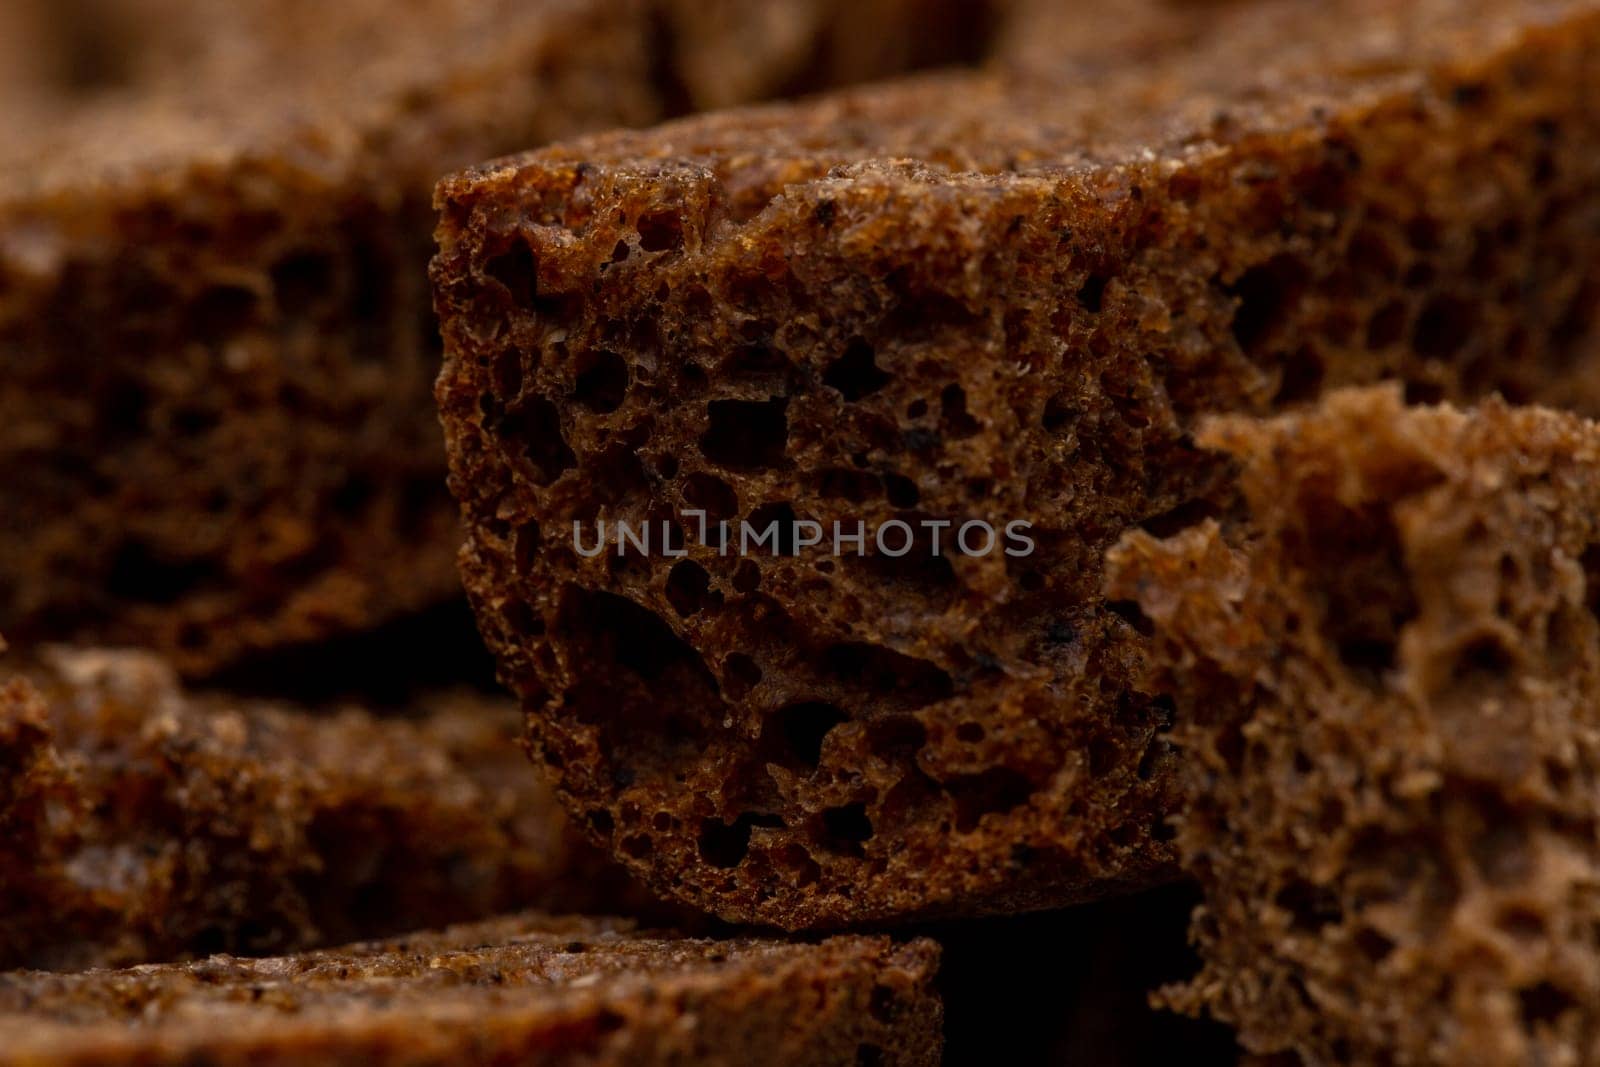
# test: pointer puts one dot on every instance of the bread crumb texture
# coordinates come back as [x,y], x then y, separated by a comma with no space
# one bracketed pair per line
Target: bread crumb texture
[1389,684]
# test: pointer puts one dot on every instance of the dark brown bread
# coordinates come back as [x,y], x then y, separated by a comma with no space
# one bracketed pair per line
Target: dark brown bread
[529,990]
[214,230]
[139,823]
[983,297]
[1389,691]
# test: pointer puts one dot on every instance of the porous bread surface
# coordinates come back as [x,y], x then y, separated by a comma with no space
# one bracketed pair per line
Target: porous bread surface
[139,823]
[993,297]
[1388,682]
[213,305]
[527,989]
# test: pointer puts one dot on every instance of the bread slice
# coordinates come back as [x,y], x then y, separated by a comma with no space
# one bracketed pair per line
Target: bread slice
[140,823]
[989,298]
[528,989]
[214,317]
[1388,682]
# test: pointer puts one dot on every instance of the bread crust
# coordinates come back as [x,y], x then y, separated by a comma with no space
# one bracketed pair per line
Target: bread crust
[528,989]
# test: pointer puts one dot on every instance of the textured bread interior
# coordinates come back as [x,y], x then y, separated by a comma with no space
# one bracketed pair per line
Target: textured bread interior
[213,299]
[142,823]
[1388,681]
